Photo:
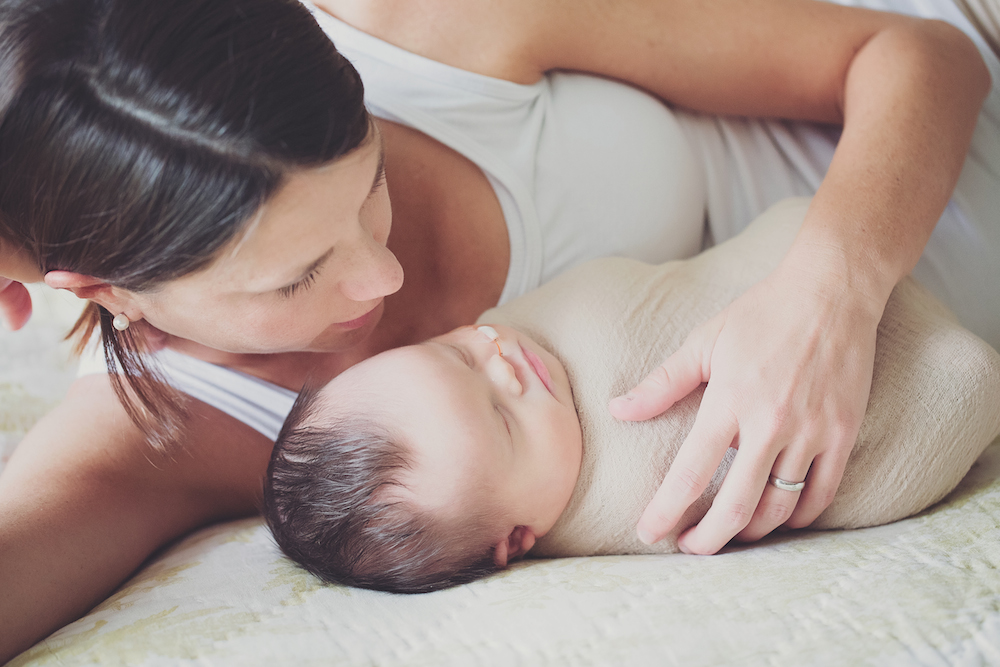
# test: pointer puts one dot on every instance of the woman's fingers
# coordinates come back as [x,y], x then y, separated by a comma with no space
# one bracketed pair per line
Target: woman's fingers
[781,496]
[15,303]
[821,486]
[731,511]
[690,473]
[675,378]
[781,506]
[746,505]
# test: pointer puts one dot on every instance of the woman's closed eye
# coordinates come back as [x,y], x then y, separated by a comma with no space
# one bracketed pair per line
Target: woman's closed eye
[289,291]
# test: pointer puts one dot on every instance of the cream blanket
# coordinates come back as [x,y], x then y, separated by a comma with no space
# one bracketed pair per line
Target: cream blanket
[933,409]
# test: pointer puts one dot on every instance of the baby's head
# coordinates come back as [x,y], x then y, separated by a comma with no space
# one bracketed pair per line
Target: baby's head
[426,466]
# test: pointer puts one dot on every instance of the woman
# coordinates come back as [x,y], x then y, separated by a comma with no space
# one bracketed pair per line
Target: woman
[205,173]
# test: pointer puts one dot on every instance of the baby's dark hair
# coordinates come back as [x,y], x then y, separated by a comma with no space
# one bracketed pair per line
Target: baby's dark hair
[329,501]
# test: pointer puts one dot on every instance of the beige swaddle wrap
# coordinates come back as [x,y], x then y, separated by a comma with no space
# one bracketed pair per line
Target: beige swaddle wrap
[934,404]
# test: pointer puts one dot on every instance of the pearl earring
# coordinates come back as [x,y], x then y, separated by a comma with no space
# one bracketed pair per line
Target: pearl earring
[120,322]
[492,334]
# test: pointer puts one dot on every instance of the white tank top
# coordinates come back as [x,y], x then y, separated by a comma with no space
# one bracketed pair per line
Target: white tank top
[585,167]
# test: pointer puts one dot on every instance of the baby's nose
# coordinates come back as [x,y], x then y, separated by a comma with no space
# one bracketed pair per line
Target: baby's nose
[498,369]
[502,374]
[492,334]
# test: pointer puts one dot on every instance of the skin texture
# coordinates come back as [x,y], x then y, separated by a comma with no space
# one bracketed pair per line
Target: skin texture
[788,364]
[485,429]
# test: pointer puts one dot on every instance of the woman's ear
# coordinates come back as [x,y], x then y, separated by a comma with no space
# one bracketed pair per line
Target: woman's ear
[518,543]
[94,289]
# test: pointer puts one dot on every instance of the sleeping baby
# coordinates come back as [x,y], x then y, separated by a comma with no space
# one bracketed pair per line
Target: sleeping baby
[435,464]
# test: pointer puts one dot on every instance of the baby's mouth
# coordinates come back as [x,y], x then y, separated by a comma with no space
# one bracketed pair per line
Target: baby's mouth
[538,366]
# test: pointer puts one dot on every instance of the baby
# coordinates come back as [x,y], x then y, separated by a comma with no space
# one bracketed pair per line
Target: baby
[435,464]
[428,465]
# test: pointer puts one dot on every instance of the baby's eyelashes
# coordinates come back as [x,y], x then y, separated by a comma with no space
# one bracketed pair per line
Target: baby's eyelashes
[464,355]
[503,418]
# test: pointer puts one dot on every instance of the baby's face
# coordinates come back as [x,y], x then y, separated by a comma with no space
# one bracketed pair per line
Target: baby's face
[487,432]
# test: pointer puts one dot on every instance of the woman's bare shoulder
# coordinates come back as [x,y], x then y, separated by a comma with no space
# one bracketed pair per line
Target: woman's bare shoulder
[494,39]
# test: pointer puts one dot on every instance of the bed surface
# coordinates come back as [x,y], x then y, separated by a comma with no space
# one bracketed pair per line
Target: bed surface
[923,591]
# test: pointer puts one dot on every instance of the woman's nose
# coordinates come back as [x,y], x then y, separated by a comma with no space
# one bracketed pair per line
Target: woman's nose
[374,273]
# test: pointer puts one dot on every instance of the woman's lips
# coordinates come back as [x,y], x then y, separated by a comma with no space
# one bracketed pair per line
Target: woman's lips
[538,366]
[360,321]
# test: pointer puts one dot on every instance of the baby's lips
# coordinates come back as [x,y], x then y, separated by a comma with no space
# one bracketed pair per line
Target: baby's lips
[539,368]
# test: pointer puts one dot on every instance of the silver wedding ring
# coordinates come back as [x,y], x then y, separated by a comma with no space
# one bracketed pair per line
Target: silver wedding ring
[786,486]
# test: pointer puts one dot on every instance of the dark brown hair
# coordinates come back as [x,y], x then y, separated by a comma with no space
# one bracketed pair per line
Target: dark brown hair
[138,138]
[329,501]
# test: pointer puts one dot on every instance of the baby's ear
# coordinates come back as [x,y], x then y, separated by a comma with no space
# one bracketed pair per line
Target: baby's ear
[518,543]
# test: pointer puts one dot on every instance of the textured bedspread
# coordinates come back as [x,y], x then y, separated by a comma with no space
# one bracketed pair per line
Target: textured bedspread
[923,591]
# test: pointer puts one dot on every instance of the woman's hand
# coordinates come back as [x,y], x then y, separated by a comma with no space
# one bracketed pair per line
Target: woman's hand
[15,303]
[789,363]
[789,369]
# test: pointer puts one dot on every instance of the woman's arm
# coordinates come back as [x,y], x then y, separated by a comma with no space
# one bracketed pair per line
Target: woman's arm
[84,501]
[789,364]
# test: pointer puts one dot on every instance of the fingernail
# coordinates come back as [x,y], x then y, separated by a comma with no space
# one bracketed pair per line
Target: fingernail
[683,548]
[627,397]
[645,536]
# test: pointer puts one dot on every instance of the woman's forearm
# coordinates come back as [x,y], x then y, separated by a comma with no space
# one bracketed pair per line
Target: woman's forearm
[911,99]
[71,521]
[84,501]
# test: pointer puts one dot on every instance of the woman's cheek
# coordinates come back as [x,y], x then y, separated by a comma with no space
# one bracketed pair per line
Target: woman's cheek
[267,326]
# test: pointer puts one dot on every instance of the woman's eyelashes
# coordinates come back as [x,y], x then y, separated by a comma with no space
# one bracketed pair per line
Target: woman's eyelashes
[379,180]
[289,291]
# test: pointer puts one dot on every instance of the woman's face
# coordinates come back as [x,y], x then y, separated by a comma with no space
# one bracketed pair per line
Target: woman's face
[310,274]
